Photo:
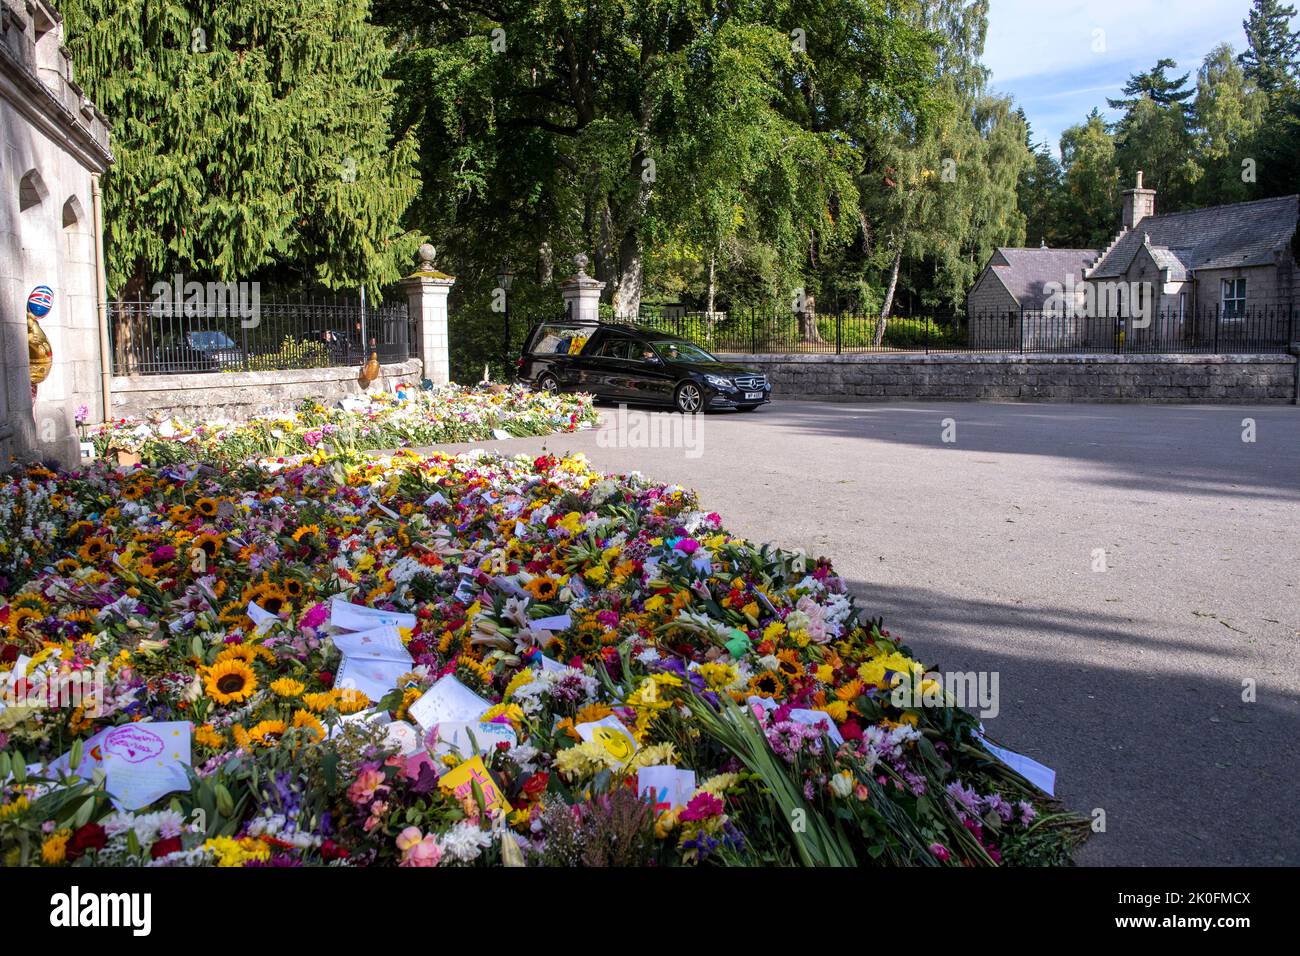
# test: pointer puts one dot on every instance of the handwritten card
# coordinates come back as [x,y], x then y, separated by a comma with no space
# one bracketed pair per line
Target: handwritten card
[455,735]
[447,700]
[144,761]
[378,643]
[353,617]
[667,787]
[373,678]
[460,781]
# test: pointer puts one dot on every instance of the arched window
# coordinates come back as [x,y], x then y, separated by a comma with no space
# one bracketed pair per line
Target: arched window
[31,190]
[72,213]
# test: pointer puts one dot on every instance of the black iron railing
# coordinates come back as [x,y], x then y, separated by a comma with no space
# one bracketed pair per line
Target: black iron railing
[150,337]
[1266,329]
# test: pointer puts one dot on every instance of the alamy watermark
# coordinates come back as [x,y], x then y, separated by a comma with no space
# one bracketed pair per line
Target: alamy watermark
[242,300]
[970,690]
[1126,300]
[636,429]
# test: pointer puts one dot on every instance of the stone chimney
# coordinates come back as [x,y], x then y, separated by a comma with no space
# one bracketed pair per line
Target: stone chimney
[1138,204]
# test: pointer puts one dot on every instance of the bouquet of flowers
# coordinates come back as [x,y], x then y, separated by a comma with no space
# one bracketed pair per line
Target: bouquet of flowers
[373,421]
[580,669]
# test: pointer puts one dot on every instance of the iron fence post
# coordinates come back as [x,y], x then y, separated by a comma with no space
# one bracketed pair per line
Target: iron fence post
[839,338]
[753,332]
[1021,330]
[1216,329]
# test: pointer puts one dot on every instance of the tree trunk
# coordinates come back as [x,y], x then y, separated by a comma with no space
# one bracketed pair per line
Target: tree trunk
[889,295]
[713,276]
[808,320]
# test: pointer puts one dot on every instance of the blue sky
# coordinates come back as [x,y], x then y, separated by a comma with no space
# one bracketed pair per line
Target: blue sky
[1050,57]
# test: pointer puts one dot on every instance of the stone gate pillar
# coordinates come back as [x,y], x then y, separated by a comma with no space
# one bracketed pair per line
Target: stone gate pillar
[426,299]
[581,294]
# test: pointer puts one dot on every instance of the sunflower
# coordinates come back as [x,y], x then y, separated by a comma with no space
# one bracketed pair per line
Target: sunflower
[543,587]
[207,507]
[178,514]
[267,732]
[210,544]
[207,736]
[300,533]
[135,490]
[319,702]
[287,687]
[233,613]
[237,652]
[66,566]
[349,700]
[587,642]
[305,718]
[292,588]
[18,617]
[268,596]
[230,682]
[766,684]
[789,665]
[94,548]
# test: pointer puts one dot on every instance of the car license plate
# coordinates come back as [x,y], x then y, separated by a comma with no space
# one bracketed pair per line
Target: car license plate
[753,395]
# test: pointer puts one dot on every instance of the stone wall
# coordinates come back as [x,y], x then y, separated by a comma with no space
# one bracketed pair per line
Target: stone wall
[242,395]
[1215,379]
[53,143]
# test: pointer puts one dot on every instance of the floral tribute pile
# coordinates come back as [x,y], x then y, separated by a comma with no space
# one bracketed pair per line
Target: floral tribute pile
[411,417]
[583,670]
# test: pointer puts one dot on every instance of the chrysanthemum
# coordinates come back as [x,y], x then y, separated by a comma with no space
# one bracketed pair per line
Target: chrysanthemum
[230,682]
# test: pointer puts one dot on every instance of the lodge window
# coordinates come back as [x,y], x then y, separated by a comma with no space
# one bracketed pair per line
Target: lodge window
[1234,298]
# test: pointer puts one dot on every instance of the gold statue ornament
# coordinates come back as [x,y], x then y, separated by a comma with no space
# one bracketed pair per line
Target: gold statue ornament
[40,354]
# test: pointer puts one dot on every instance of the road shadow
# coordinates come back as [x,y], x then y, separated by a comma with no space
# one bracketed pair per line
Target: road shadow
[1185,770]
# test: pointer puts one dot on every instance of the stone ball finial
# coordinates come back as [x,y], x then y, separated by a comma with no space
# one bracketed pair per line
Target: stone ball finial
[581,260]
[427,252]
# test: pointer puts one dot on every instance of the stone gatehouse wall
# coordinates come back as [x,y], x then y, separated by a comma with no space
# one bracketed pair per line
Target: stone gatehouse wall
[1210,379]
[243,395]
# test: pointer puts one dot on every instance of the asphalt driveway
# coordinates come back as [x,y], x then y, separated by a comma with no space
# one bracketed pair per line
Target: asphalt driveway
[980,552]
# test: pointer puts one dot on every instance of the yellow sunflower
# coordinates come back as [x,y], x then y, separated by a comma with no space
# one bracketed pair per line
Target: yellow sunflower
[287,687]
[210,543]
[320,702]
[94,548]
[267,732]
[230,682]
[300,533]
[305,718]
[766,684]
[543,587]
[206,735]
[207,507]
[349,700]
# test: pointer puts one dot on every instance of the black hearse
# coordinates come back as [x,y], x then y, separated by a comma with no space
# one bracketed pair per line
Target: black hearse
[637,366]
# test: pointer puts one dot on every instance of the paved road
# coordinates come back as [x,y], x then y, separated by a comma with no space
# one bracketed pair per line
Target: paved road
[979,552]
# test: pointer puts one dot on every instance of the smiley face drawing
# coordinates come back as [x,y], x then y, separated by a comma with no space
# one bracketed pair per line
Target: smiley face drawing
[616,744]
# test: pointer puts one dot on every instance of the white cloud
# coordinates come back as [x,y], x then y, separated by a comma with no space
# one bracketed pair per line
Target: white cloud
[1033,38]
